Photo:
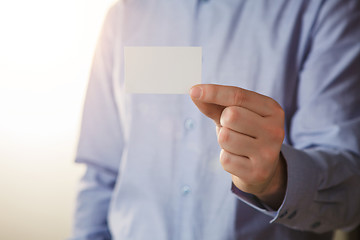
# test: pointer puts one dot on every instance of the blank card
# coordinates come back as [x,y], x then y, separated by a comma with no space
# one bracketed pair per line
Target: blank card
[162,70]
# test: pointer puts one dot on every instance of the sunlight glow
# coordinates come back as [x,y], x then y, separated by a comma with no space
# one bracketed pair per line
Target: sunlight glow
[46,48]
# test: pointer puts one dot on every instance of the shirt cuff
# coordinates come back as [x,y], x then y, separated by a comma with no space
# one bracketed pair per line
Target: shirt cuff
[300,188]
[300,185]
[253,201]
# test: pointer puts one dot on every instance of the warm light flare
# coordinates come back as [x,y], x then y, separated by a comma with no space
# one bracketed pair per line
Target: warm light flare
[46,48]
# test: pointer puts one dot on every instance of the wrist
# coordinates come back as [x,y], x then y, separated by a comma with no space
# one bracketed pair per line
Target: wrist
[274,193]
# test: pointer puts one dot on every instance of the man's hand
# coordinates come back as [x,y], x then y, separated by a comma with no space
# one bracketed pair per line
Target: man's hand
[250,130]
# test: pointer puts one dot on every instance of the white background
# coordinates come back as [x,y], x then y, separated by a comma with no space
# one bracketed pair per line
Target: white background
[46,48]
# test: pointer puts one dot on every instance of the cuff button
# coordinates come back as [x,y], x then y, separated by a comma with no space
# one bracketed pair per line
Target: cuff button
[283,214]
[315,225]
[292,215]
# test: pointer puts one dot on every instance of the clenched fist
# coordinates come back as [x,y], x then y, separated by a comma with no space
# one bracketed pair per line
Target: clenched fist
[250,130]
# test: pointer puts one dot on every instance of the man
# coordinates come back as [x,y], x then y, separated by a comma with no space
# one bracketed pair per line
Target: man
[281,83]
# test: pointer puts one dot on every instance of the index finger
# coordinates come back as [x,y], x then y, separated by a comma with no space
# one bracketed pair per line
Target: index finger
[233,96]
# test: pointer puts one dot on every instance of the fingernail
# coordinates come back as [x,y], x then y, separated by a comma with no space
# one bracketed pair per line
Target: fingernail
[196,92]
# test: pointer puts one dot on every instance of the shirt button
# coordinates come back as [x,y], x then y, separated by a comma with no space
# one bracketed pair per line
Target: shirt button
[189,124]
[185,190]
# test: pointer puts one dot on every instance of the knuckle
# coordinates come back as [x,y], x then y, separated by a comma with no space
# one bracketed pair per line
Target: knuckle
[224,136]
[273,104]
[209,93]
[276,107]
[225,160]
[229,116]
[280,111]
[277,133]
[239,97]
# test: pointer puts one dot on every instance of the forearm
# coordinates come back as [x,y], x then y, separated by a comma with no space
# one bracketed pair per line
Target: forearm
[93,199]
[322,192]
[275,193]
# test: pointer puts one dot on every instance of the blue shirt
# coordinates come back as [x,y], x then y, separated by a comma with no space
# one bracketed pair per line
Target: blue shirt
[152,161]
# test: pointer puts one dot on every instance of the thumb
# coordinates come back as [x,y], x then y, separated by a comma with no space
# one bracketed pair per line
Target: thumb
[210,110]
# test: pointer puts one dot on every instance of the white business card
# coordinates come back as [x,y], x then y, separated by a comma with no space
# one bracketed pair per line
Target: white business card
[162,70]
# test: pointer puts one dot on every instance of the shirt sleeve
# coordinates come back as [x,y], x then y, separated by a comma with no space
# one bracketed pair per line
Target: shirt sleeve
[323,160]
[101,142]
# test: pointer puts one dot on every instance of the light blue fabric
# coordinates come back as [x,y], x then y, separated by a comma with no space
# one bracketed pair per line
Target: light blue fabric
[152,160]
